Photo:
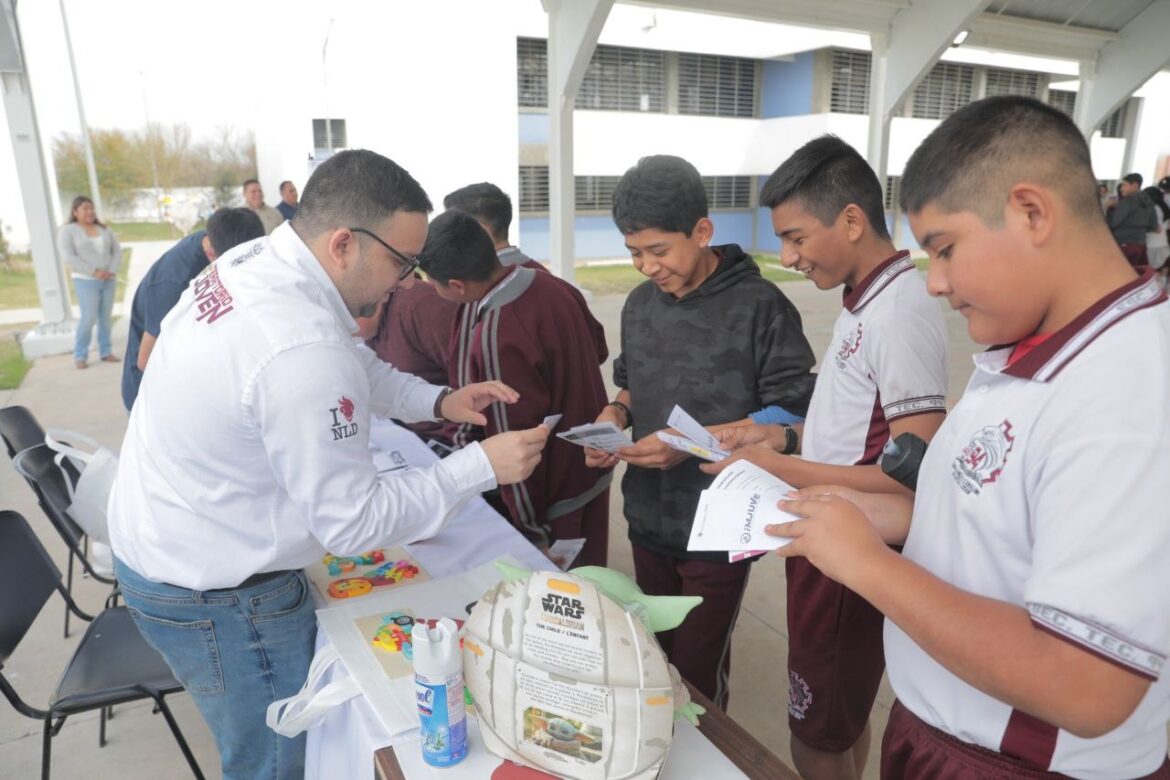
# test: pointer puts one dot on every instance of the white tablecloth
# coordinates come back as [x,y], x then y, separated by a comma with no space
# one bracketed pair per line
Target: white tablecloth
[343,744]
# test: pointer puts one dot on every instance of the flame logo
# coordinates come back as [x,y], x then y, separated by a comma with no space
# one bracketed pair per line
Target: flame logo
[346,407]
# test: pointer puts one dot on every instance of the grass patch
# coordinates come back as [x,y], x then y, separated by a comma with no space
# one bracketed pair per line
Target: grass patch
[18,285]
[145,231]
[620,279]
[13,366]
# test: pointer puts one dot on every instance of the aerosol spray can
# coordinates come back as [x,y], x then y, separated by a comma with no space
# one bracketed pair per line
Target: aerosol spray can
[438,685]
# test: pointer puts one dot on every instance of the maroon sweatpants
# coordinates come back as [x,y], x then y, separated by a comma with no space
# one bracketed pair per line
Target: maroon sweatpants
[701,646]
[914,750]
[590,522]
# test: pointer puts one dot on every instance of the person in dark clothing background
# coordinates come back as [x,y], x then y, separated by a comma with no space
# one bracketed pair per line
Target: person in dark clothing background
[1132,217]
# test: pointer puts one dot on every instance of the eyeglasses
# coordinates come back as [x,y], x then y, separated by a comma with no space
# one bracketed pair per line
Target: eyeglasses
[409,264]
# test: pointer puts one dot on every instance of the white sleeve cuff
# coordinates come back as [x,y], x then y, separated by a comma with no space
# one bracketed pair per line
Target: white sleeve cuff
[470,468]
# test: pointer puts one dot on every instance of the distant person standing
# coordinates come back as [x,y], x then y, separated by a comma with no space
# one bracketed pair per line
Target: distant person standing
[93,254]
[1157,245]
[1130,220]
[254,199]
[288,200]
[171,274]
[492,208]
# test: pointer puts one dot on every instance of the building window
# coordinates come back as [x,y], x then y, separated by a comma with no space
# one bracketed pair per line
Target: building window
[595,193]
[893,191]
[728,192]
[621,79]
[332,141]
[1062,100]
[1115,124]
[716,86]
[1012,82]
[944,90]
[532,72]
[533,188]
[849,93]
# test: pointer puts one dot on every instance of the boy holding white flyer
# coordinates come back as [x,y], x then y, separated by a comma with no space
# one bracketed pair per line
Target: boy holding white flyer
[883,374]
[707,332]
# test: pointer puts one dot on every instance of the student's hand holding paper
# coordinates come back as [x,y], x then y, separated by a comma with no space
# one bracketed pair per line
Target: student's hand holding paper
[760,454]
[514,454]
[834,535]
[889,513]
[652,452]
[600,459]
[465,404]
[771,436]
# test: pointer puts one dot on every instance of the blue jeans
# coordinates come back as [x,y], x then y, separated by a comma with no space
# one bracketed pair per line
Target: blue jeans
[95,298]
[236,651]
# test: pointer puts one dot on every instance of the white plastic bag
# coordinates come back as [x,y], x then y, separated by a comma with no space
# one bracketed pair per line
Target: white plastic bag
[98,467]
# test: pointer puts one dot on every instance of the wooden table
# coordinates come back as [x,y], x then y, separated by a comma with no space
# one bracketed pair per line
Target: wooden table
[740,747]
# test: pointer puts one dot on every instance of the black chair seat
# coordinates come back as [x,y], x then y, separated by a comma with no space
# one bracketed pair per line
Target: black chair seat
[113,664]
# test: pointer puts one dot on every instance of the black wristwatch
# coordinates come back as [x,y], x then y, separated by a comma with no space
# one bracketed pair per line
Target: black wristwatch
[791,440]
[438,410]
[626,409]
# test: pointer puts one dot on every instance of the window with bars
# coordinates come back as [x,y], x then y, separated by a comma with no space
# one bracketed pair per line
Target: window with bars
[533,188]
[1062,100]
[849,90]
[595,193]
[716,86]
[893,191]
[1012,82]
[621,79]
[728,192]
[321,140]
[944,90]
[532,72]
[1115,124]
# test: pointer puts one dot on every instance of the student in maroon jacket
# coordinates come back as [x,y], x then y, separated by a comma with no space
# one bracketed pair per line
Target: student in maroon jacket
[533,331]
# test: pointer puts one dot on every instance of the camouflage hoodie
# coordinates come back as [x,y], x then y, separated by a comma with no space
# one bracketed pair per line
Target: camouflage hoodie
[728,348]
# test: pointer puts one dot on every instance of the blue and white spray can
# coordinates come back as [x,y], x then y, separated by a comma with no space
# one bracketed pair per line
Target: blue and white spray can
[438,686]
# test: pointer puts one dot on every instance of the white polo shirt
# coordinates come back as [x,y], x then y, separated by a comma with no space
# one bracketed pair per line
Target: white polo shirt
[887,359]
[1046,488]
[248,446]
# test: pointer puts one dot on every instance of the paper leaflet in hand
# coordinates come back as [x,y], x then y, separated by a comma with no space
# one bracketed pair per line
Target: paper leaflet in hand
[563,552]
[733,512]
[695,439]
[551,421]
[601,436]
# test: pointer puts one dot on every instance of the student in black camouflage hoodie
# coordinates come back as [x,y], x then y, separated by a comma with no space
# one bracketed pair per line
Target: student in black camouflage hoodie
[709,333]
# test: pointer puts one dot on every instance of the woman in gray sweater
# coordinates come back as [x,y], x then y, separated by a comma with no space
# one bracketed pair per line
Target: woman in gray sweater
[93,255]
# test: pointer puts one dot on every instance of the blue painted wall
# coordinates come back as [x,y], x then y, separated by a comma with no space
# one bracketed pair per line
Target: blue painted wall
[596,236]
[534,128]
[786,88]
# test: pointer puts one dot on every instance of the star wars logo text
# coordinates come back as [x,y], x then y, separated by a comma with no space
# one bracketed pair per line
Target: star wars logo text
[343,425]
[563,605]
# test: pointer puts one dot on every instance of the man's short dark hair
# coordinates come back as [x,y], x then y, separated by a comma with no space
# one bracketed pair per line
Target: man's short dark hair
[458,247]
[487,203]
[1164,184]
[356,188]
[823,177]
[1133,178]
[227,228]
[283,184]
[244,186]
[661,192]
[972,160]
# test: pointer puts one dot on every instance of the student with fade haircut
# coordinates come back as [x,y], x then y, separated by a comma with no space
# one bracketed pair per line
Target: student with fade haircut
[884,374]
[1026,620]
[491,208]
[247,456]
[532,331]
[159,290]
[707,332]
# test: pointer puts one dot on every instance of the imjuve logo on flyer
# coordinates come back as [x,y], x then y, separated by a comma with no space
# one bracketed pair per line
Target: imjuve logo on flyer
[343,425]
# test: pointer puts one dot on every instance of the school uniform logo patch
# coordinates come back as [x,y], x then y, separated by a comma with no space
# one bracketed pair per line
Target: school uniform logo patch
[799,696]
[983,459]
[849,345]
[343,425]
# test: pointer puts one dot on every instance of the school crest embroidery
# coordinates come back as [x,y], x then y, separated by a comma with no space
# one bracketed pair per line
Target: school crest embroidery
[849,345]
[799,696]
[983,459]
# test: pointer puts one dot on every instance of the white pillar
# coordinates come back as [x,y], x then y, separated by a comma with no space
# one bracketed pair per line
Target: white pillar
[573,29]
[55,333]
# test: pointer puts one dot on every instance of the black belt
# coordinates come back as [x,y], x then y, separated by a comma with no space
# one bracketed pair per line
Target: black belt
[260,579]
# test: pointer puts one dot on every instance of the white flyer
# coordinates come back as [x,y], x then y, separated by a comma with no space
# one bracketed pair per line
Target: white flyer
[551,421]
[601,436]
[563,552]
[690,428]
[684,444]
[733,512]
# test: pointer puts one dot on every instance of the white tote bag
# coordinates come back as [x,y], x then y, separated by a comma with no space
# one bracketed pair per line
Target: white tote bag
[98,467]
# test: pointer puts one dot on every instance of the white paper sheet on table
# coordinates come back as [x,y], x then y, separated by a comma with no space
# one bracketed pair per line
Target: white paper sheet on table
[732,512]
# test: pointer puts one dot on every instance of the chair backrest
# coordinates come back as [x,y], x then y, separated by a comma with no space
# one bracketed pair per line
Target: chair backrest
[19,429]
[28,577]
[48,482]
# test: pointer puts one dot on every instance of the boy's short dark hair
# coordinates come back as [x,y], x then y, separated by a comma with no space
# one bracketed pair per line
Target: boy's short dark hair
[1133,178]
[1164,184]
[662,192]
[284,184]
[823,177]
[971,161]
[457,247]
[227,228]
[487,203]
[356,188]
